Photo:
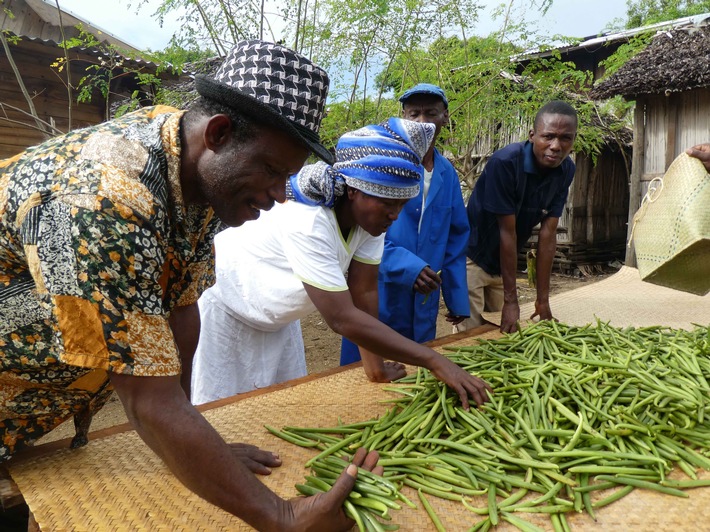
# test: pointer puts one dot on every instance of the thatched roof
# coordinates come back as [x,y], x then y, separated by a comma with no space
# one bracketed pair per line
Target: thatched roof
[677,60]
[182,94]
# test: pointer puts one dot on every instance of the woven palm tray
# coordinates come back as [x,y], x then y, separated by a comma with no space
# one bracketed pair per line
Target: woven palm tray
[117,483]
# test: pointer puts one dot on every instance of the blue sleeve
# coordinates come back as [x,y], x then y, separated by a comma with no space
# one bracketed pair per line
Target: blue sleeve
[453,275]
[558,202]
[399,265]
[500,194]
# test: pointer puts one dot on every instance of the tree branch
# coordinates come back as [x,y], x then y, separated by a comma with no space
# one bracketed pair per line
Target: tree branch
[70,107]
[44,127]
[33,112]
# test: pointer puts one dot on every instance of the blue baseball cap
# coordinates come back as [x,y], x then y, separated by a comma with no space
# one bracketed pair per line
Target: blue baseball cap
[425,88]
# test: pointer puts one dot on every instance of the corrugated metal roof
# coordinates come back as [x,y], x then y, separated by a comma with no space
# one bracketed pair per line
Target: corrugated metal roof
[595,42]
[134,61]
[48,12]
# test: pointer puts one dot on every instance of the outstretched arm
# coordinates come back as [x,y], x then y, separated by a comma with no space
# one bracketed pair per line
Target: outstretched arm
[343,317]
[508,272]
[362,283]
[185,324]
[547,245]
[198,456]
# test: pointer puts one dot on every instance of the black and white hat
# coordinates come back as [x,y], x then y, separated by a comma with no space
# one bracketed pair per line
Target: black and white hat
[276,86]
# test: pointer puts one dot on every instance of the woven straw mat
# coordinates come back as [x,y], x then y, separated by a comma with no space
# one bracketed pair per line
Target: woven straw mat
[118,483]
[624,300]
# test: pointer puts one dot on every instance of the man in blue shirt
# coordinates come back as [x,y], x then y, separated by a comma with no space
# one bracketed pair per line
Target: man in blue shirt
[522,185]
[425,248]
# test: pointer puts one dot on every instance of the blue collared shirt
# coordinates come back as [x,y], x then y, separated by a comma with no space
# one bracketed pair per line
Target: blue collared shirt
[512,184]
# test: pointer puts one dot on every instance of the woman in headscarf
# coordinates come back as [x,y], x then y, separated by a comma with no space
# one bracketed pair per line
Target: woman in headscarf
[319,250]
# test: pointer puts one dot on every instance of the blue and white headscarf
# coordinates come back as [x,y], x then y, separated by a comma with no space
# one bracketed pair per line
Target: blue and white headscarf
[381,160]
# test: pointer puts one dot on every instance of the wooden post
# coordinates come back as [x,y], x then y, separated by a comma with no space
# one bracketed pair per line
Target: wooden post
[591,199]
[637,167]
[671,128]
[10,495]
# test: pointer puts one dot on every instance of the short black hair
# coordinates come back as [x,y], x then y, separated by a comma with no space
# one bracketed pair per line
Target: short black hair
[555,107]
[243,127]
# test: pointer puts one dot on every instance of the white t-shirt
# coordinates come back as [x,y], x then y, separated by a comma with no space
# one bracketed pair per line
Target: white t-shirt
[262,265]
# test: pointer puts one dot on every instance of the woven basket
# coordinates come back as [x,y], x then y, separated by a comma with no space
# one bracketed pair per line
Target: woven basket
[671,230]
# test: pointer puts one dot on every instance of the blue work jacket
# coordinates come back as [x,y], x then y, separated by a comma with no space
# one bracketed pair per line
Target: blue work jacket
[440,244]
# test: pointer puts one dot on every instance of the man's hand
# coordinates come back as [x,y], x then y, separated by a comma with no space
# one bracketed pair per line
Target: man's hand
[542,309]
[325,511]
[461,381]
[701,152]
[509,317]
[427,281]
[454,320]
[257,460]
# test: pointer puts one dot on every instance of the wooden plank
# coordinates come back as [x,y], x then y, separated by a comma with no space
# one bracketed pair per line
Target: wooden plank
[25,140]
[592,191]
[10,495]
[672,129]
[645,178]
[637,170]
[693,118]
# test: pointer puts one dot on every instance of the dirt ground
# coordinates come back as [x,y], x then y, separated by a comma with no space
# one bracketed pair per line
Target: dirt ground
[323,345]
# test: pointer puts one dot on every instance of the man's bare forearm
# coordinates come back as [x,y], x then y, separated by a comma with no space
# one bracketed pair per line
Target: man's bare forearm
[185,324]
[509,263]
[547,245]
[193,451]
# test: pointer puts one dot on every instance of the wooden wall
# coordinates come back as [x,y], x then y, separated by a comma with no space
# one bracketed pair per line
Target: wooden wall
[492,135]
[599,199]
[49,96]
[38,23]
[672,124]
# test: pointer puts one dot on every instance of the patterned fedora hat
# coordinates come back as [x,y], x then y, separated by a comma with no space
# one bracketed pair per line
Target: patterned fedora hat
[274,85]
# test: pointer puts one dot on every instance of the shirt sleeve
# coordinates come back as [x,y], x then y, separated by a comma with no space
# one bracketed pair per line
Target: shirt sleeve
[370,252]
[200,272]
[500,192]
[313,255]
[454,284]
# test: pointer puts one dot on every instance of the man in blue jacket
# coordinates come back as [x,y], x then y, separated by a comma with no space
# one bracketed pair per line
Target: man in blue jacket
[425,248]
[523,184]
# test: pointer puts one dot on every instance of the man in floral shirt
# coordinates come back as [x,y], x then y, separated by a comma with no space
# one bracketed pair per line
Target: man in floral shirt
[94,258]
[105,246]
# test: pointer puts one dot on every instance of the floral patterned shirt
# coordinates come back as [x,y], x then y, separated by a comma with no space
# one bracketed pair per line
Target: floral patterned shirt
[96,248]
